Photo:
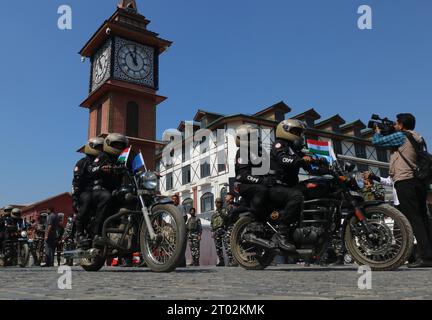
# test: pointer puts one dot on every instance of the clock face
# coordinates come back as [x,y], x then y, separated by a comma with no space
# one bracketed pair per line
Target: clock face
[100,68]
[134,61]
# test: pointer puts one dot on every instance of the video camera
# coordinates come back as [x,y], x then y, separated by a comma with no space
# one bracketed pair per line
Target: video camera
[384,124]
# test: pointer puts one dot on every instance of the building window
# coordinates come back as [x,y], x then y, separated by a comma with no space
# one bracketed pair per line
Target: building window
[132,119]
[186,175]
[169,181]
[207,202]
[205,168]
[337,146]
[382,154]
[360,150]
[99,120]
[188,204]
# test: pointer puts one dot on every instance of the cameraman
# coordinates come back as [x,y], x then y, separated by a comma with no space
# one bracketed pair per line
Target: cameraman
[410,190]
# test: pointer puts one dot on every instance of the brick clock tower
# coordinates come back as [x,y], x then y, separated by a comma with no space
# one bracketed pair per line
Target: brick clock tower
[124,79]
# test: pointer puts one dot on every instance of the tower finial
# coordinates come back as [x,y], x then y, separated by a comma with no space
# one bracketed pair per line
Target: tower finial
[128,5]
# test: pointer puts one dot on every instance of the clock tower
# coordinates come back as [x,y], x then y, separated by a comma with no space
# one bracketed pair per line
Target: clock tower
[124,79]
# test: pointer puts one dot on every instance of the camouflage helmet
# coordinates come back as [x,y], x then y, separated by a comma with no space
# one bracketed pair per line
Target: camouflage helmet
[115,143]
[94,146]
[244,132]
[16,213]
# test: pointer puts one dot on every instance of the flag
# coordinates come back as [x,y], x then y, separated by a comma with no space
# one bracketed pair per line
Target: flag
[322,149]
[124,156]
[138,163]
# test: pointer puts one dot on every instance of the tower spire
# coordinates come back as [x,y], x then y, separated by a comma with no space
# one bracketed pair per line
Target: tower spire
[128,5]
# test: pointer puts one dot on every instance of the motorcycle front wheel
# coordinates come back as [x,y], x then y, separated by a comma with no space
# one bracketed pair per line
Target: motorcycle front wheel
[23,255]
[164,253]
[247,255]
[389,244]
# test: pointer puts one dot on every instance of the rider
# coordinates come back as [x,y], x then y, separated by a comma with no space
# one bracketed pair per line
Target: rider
[81,186]
[286,160]
[252,188]
[105,178]
[255,189]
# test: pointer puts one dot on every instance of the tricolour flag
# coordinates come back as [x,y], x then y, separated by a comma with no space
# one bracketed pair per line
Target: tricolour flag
[124,156]
[138,163]
[322,149]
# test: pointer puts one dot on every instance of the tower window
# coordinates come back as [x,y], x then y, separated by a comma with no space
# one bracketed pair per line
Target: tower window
[132,119]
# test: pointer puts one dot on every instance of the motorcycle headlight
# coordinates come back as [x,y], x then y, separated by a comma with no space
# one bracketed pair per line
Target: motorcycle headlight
[23,234]
[148,180]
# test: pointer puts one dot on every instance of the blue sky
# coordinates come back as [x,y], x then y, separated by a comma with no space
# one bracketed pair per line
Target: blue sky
[228,56]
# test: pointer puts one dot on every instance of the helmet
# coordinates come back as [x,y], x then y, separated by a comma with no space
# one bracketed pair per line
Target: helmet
[94,146]
[7,211]
[245,131]
[115,143]
[291,130]
[16,213]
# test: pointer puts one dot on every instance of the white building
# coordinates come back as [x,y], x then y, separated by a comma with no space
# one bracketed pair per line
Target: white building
[198,178]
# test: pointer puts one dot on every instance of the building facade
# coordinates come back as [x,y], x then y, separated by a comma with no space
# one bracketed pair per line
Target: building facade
[203,169]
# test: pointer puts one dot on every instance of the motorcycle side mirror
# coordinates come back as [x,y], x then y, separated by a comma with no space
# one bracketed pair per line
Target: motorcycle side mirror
[349,166]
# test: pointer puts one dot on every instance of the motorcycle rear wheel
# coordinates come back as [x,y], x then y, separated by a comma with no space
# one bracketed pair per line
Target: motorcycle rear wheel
[247,255]
[165,253]
[400,233]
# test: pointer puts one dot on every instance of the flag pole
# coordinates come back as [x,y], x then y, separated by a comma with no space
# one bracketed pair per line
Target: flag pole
[145,167]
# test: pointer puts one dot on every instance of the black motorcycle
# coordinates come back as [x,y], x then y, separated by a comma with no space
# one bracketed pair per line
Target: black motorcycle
[373,232]
[144,223]
[15,248]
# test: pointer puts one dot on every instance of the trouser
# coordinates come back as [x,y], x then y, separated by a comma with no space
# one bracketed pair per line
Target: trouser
[84,211]
[256,198]
[194,244]
[59,250]
[227,241]
[412,197]
[50,247]
[102,200]
[290,199]
[219,239]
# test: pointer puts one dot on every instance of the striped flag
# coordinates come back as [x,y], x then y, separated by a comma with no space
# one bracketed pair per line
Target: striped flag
[322,149]
[124,156]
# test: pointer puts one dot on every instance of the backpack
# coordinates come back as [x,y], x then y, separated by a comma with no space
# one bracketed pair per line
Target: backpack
[423,172]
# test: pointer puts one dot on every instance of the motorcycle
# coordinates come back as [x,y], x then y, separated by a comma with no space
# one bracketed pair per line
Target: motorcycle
[372,232]
[144,223]
[16,248]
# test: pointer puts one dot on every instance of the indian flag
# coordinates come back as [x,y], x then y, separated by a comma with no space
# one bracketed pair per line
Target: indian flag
[124,156]
[322,149]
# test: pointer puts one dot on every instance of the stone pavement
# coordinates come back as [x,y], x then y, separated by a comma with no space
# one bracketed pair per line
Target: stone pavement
[281,282]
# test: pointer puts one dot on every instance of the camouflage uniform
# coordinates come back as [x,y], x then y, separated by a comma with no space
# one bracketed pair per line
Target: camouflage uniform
[218,228]
[194,230]
[69,238]
[228,231]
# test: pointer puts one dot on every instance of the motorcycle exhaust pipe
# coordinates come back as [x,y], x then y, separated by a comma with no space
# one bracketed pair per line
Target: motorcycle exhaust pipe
[81,254]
